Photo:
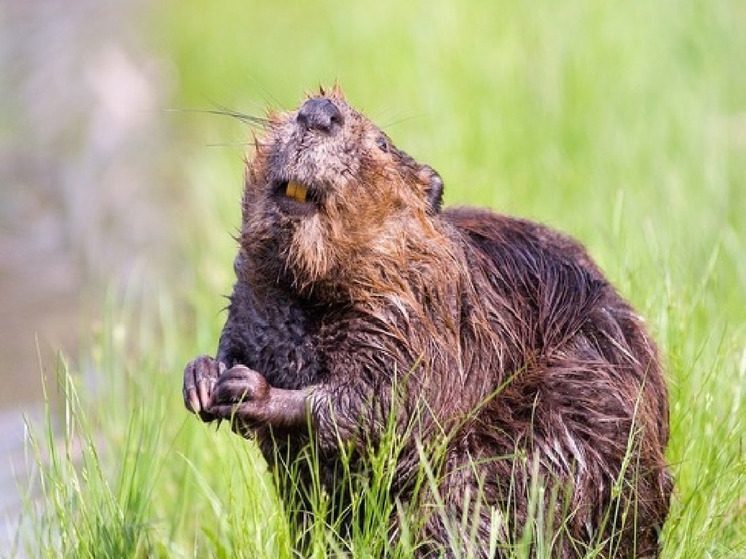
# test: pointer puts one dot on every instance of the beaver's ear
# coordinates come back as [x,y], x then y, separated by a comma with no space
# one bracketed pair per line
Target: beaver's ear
[433,189]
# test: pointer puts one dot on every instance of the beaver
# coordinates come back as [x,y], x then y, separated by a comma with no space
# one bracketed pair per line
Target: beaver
[358,296]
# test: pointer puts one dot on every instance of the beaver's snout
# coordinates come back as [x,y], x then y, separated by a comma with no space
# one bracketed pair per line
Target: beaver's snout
[321,115]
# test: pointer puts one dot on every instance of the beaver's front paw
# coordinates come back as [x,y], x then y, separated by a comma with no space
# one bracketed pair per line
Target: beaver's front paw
[200,377]
[242,396]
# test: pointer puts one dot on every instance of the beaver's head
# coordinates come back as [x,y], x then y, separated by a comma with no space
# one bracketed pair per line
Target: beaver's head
[327,191]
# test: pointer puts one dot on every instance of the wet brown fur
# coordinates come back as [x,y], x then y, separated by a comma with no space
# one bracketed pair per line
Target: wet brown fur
[510,339]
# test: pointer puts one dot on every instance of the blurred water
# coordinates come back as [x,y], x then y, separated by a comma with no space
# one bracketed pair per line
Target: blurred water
[81,113]
[81,193]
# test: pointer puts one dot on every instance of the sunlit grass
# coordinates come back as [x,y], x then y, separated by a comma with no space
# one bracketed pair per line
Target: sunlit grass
[621,124]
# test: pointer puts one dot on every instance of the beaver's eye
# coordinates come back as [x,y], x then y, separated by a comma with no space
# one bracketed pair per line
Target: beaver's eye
[382,144]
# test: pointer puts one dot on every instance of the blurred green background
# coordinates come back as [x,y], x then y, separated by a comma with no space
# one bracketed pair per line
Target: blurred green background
[623,124]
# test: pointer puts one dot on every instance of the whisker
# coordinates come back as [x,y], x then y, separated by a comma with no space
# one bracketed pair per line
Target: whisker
[224,111]
[228,144]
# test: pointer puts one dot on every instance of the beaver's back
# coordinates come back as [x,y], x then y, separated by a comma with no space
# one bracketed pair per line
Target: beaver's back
[488,230]
[586,386]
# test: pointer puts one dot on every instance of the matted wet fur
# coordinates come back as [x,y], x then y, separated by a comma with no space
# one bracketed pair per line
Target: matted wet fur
[510,340]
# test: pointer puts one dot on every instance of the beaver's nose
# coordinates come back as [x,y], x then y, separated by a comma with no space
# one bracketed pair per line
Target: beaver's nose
[321,115]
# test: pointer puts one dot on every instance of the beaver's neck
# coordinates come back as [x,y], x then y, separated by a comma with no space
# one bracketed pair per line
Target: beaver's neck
[413,265]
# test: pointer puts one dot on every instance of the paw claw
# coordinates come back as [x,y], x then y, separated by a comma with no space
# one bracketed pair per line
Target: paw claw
[200,377]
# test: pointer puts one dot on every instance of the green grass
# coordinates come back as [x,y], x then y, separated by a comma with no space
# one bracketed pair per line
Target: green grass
[622,124]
